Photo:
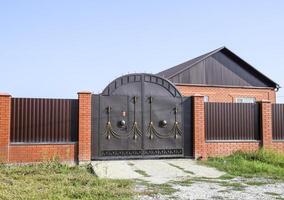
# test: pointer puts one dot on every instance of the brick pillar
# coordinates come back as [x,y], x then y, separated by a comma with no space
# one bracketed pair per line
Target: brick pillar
[5,118]
[84,126]
[266,123]
[199,150]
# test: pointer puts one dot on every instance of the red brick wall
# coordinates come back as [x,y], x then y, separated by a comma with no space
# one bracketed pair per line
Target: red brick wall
[227,94]
[227,148]
[85,108]
[277,146]
[199,150]
[266,123]
[28,153]
[5,117]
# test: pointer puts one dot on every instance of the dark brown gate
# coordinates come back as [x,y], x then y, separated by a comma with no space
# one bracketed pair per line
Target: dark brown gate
[137,116]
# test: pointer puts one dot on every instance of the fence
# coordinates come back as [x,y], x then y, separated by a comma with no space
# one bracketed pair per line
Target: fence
[278,121]
[232,121]
[44,120]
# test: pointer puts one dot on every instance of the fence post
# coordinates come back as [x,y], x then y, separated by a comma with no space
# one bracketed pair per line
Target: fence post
[199,150]
[84,149]
[266,123]
[5,119]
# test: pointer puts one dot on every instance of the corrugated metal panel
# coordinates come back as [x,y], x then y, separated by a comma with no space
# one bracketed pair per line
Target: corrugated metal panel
[222,67]
[44,120]
[278,121]
[232,121]
[220,74]
[234,73]
[169,73]
[218,69]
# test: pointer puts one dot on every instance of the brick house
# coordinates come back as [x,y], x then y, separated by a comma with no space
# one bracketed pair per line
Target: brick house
[221,76]
[212,105]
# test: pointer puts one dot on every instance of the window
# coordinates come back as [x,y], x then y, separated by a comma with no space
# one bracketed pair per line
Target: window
[245,100]
[206,99]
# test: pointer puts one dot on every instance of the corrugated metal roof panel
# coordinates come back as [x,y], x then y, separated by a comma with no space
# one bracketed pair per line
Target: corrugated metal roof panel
[173,71]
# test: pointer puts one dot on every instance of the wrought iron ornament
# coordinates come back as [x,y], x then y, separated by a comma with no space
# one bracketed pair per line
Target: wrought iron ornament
[135,130]
[152,131]
[148,152]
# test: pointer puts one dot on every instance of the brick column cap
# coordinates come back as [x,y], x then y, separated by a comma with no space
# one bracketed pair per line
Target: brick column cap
[3,94]
[84,92]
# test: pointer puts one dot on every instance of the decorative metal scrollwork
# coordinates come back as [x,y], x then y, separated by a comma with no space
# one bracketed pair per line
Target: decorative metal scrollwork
[135,130]
[115,153]
[152,131]
[148,152]
[161,152]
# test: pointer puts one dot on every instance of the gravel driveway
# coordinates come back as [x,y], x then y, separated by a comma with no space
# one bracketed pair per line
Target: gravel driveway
[202,188]
[185,179]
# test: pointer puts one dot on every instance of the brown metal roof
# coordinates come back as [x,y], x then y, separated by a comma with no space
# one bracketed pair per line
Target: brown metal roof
[173,71]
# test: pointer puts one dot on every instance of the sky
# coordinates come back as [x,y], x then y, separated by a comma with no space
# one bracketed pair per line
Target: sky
[55,48]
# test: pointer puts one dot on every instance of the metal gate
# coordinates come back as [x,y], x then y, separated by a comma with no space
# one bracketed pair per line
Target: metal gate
[137,116]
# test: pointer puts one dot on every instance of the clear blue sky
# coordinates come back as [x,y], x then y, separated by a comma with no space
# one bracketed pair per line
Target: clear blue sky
[55,48]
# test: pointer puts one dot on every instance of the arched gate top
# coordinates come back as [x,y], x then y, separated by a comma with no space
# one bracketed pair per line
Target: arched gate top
[141,77]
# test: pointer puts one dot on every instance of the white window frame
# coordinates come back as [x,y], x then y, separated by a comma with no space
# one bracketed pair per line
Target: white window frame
[245,100]
[206,98]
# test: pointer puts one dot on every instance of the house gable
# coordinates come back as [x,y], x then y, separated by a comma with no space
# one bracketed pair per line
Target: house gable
[220,67]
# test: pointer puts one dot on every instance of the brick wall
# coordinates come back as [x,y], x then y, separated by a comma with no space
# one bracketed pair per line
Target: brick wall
[199,150]
[5,117]
[227,94]
[277,146]
[266,123]
[84,126]
[227,148]
[29,153]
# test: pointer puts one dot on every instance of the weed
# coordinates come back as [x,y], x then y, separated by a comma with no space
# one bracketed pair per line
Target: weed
[141,172]
[256,183]
[182,169]
[262,163]
[272,193]
[52,180]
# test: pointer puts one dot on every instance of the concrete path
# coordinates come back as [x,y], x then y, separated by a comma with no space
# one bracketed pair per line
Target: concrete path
[153,171]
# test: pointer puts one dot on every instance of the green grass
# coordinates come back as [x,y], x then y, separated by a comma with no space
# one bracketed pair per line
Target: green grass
[234,186]
[261,163]
[182,169]
[52,180]
[156,189]
[272,193]
[141,172]
[255,183]
[185,182]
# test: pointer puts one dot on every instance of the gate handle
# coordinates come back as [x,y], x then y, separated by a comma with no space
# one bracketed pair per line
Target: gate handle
[108,109]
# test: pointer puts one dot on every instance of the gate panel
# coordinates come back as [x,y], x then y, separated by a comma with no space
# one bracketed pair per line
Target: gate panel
[163,134]
[120,133]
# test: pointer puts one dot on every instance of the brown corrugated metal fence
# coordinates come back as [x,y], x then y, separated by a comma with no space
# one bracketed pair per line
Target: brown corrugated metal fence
[232,121]
[44,120]
[278,121]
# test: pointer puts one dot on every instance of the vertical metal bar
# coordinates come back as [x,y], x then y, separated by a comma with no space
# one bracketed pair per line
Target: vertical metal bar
[67,121]
[43,123]
[41,120]
[12,120]
[142,114]
[57,121]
